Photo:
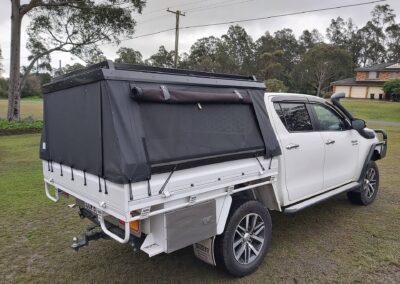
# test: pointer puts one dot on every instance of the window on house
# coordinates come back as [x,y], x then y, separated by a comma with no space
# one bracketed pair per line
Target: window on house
[372,75]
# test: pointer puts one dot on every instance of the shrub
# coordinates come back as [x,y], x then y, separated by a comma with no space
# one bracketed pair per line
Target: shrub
[392,89]
[28,123]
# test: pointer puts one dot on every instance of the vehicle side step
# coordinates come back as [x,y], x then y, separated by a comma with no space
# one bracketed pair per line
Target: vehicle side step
[150,247]
[319,198]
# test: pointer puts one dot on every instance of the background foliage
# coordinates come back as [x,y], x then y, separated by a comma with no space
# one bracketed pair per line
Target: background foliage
[306,64]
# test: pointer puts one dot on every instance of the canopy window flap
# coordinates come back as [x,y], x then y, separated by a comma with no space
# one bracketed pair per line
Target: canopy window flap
[168,94]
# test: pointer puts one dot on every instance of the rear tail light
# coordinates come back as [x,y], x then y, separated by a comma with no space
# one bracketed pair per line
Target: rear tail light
[135,226]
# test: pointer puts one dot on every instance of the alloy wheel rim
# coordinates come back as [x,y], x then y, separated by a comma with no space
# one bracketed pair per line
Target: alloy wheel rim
[369,185]
[249,238]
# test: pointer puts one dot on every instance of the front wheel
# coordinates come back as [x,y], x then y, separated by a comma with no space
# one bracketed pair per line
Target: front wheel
[245,241]
[369,188]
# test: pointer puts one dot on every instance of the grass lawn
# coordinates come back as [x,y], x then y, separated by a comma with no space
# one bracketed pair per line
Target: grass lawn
[30,107]
[374,110]
[332,242]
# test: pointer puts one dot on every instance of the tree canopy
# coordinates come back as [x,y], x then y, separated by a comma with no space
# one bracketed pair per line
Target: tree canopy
[129,55]
[75,27]
[307,63]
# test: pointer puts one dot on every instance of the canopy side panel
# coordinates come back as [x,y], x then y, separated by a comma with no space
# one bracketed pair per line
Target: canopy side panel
[124,153]
[73,130]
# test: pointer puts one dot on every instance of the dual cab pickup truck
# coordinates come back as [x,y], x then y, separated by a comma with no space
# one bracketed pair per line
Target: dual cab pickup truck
[163,159]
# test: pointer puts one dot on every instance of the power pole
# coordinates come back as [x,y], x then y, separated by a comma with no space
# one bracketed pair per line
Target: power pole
[177,14]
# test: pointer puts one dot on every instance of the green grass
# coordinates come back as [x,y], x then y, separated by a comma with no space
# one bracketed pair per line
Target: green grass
[30,108]
[332,242]
[374,110]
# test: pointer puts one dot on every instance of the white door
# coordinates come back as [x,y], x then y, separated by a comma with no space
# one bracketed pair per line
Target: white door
[341,147]
[303,151]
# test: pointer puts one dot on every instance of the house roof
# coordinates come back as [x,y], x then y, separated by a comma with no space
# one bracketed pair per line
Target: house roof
[353,82]
[389,66]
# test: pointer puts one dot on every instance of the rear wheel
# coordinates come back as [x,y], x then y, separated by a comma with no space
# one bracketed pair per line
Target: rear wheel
[244,243]
[369,188]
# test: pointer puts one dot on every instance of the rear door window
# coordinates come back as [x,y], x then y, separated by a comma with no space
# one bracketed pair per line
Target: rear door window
[294,116]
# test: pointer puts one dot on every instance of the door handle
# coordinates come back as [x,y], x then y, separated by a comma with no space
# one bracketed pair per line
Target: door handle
[292,146]
[329,142]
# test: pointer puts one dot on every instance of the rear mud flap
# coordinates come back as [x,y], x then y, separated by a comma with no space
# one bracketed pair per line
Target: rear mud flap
[204,251]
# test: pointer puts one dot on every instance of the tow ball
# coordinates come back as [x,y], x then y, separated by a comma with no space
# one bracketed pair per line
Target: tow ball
[93,233]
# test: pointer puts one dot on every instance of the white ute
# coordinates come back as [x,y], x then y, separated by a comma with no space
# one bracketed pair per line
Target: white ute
[222,208]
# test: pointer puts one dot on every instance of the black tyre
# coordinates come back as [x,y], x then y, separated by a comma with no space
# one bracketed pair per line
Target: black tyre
[245,241]
[369,188]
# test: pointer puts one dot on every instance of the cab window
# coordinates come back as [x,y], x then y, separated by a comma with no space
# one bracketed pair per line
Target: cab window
[328,119]
[294,116]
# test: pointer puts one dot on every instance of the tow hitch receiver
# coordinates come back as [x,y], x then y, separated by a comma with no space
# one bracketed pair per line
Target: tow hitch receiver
[93,233]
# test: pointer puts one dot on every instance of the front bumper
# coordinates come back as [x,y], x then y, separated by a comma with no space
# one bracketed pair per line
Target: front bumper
[381,146]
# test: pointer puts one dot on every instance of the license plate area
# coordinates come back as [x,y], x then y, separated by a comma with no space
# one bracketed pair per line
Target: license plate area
[91,208]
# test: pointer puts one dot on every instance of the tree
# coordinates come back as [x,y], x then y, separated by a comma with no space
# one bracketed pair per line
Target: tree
[44,77]
[383,16]
[272,66]
[309,39]
[373,35]
[74,67]
[204,54]
[129,55]
[285,41]
[94,56]
[325,63]
[393,51]
[163,58]
[32,86]
[276,86]
[73,26]
[236,51]
[372,44]
[345,35]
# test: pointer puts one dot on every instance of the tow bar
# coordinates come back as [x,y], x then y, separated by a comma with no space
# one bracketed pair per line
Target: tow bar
[93,233]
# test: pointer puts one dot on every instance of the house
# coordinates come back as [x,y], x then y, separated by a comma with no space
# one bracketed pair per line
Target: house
[368,83]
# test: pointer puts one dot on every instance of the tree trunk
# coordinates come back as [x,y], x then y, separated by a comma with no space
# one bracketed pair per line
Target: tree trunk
[14,92]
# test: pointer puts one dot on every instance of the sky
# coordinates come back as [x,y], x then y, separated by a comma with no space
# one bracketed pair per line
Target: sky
[155,18]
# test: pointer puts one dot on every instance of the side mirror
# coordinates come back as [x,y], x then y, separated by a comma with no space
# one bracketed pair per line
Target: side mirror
[358,124]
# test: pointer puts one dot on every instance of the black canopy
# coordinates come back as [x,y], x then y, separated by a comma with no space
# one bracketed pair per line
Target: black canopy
[125,122]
